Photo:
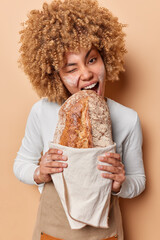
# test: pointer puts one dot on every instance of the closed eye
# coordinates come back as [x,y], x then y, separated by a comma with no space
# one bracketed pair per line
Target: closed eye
[72,70]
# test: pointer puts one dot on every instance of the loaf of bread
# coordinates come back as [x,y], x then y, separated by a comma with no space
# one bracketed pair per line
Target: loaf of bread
[84,121]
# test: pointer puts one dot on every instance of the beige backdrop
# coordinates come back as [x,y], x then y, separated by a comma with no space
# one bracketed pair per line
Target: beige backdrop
[139,89]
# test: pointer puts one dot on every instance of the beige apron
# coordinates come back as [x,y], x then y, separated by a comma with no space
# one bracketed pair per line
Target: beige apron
[52,220]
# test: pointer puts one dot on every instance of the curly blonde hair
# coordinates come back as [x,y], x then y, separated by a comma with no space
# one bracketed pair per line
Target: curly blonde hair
[68,25]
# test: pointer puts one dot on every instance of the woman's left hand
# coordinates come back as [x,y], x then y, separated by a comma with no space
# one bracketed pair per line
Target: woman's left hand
[115,171]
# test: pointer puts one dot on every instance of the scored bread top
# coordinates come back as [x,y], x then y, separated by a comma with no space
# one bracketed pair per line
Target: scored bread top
[77,131]
[84,121]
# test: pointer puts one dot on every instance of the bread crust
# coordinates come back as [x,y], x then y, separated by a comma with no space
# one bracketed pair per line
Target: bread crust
[77,131]
[84,121]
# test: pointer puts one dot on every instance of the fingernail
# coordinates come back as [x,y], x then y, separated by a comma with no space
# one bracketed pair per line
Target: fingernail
[64,165]
[107,154]
[64,157]
[101,158]
[100,166]
[59,151]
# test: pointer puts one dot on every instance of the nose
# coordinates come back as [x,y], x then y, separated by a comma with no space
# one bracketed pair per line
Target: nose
[86,74]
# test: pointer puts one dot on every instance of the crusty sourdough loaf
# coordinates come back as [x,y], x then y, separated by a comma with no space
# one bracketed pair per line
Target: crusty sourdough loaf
[84,121]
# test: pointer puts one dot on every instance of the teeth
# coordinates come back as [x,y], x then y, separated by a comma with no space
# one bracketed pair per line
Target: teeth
[90,86]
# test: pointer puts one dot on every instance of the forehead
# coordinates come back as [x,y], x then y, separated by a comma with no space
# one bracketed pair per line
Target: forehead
[82,53]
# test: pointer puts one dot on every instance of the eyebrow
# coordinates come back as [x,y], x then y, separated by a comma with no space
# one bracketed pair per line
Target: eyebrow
[73,64]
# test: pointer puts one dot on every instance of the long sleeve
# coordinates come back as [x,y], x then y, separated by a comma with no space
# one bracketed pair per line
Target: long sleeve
[30,151]
[133,162]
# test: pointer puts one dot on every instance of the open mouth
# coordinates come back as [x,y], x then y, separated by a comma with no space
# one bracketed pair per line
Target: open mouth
[93,87]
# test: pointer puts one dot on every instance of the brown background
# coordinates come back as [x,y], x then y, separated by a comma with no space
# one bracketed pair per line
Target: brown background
[139,89]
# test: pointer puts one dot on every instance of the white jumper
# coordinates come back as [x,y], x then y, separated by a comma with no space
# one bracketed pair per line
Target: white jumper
[126,131]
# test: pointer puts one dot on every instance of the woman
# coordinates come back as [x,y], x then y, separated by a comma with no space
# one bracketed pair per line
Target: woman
[65,48]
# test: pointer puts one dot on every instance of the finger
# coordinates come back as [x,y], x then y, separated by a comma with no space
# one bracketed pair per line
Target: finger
[113,155]
[55,151]
[111,161]
[54,157]
[54,164]
[44,169]
[108,176]
[115,177]
[55,170]
[49,170]
[110,169]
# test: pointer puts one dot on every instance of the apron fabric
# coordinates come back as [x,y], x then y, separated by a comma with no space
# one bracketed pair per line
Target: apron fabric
[84,193]
[52,220]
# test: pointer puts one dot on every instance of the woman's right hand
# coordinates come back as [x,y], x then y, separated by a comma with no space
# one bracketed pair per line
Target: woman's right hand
[50,164]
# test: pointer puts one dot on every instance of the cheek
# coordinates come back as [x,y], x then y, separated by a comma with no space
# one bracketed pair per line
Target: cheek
[101,73]
[71,81]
